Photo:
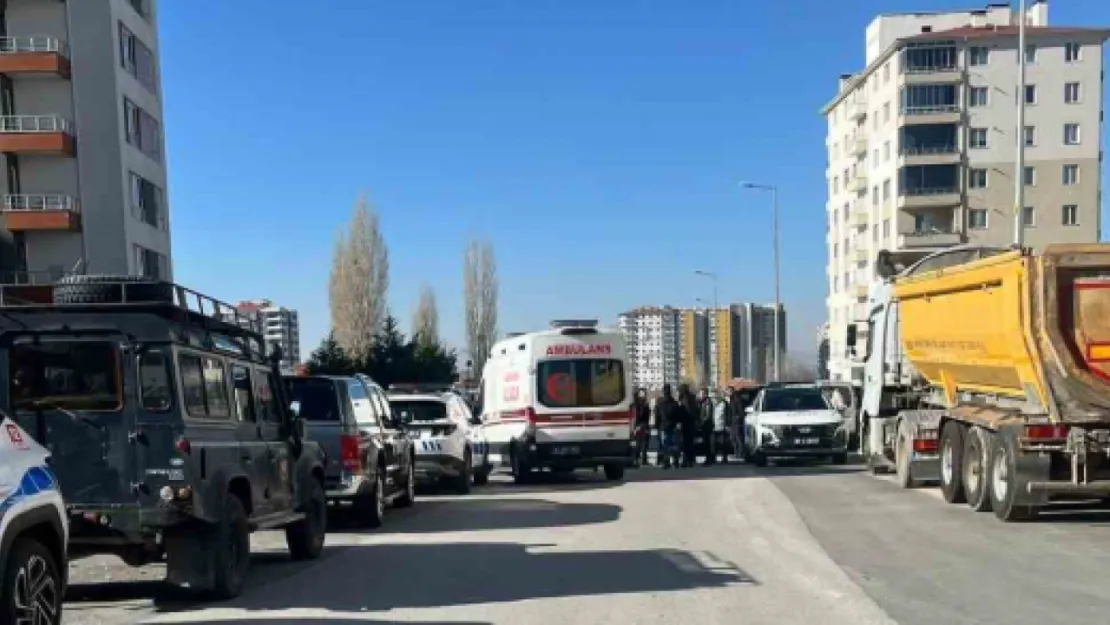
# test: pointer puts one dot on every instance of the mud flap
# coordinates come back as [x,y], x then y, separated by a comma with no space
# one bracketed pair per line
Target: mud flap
[188,563]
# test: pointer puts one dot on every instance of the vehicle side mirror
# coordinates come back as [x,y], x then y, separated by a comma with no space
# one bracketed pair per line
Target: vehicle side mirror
[295,408]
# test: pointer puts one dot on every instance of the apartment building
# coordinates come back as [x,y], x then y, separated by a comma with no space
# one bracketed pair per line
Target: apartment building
[281,327]
[84,181]
[695,346]
[651,334]
[922,145]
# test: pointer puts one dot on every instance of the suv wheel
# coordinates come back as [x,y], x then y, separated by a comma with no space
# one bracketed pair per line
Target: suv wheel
[230,548]
[305,538]
[409,496]
[32,591]
[462,482]
[370,507]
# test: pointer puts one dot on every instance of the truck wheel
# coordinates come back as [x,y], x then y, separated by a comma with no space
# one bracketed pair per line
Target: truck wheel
[951,462]
[409,496]
[614,472]
[305,538]
[33,585]
[370,507]
[229,547]
[1006,482]
[462,482]
[976,469]
[902,462]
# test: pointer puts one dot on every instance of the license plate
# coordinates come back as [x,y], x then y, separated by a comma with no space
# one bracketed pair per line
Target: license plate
[569,450]
[806,442]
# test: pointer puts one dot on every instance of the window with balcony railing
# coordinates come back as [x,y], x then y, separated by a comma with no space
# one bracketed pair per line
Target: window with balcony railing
[929,99]
[923,60]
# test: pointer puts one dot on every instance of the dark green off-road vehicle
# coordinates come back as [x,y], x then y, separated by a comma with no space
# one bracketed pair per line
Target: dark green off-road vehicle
[168,425]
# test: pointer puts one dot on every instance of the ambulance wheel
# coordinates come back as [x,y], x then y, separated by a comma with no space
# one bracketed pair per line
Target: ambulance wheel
[614,472]
[522,473]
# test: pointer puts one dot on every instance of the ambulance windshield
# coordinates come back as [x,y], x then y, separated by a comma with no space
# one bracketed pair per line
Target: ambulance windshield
[580,383]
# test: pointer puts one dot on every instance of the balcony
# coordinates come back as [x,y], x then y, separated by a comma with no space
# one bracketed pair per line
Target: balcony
[860,291]
[23,213]
[931,114]
[929,239]
[858,184]
[859,107]
[929,155]
[859,146]
[860,255]
[33,55]
[860,216]
[931,73]
[36,134]
[929,197]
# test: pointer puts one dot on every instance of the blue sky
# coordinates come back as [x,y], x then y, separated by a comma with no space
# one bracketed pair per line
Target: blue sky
[597,144]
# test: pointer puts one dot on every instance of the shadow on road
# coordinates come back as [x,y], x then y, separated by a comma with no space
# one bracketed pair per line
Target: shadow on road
[736,470]
[456,574]
[476,513]
[339,620]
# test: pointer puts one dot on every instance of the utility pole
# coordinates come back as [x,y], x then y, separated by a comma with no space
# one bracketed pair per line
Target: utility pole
[775,237]
[1019,162]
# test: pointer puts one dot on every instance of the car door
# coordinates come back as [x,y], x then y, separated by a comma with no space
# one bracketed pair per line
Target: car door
[280,456]
[394,441]
[253,451]
[367,422]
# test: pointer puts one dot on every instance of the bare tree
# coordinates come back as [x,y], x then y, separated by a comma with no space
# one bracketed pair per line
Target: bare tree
[480,298]
[359,281]
[425,321]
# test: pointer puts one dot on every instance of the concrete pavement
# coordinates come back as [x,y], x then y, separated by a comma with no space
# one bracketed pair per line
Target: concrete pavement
[707,545]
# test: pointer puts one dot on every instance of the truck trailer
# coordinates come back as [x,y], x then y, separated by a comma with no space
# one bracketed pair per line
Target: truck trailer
[988,370]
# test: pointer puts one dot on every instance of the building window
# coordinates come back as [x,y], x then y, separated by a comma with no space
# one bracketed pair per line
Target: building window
[836,249]
[977,219]
[147,202]
[1030,54]
[886,228]
[977,178]
[150,264]
[978,56]
[886,73]
[136,58]
[886,151]
[978,138]
[886,112]
[142,7]
[1070,216]
[1072,52]
[1030,94]
[979,96]
[1071,93]
[143,131]
[875,195]
[1071,174]
[845,212]
[1029,135]
[1028,217]
[1071,134]
[1029,176]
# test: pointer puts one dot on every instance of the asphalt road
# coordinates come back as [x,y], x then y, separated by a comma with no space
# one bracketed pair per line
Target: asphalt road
[781,545]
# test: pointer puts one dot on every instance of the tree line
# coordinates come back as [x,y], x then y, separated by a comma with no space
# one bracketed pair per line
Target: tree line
[365,337]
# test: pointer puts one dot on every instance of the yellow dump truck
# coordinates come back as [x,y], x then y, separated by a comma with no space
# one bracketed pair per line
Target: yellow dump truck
[988,371]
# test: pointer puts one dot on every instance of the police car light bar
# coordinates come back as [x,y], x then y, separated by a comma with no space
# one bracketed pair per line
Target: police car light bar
[560,324]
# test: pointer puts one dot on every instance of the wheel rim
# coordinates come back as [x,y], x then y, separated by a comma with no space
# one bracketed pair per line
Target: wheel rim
[946,456]
[411,488]
[379,497]
[974,472]
[1001,477]
[35,596]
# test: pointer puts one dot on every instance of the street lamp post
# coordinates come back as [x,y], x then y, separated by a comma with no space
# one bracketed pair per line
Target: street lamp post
[712,276]
[1019,169]
[775,237]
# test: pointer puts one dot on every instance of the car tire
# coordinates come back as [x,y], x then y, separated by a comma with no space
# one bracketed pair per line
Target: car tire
[614,472]
[976,469]
[369,508]
[951,462]
[840,458]
[407,498]
[33,584]
[462,481]
[481,478]
[100,289]
[229,547]
[758,458]
[305,538]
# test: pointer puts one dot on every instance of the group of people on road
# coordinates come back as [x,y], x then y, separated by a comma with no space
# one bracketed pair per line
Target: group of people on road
[714,416]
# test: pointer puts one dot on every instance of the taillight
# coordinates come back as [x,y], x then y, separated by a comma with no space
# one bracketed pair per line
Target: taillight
[1046,432]
[182,444]
[349,453]
[925,445]
[530,415]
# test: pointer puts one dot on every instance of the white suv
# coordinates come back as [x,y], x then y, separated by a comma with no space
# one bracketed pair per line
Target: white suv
[450,444]
[33,531]
[794,421]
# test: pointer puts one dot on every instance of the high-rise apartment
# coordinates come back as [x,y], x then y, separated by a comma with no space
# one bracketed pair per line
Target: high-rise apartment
[922,145]
[84,181]
[651,334]
[280,327]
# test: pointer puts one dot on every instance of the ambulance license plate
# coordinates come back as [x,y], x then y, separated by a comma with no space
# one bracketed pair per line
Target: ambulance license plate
[566,450]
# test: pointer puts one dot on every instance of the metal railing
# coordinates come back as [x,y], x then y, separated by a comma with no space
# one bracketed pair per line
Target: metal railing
[931,109]
[34,124]
[17,45]
[920,191]
[928,69]
[928,150]
[39,202]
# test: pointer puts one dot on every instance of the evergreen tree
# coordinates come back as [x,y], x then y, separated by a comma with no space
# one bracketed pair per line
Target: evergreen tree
[329,359]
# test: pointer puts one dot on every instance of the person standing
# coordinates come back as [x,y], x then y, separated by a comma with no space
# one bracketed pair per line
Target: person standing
[705,425]
[689,415]
[667,419]
[720,427]
[642,424]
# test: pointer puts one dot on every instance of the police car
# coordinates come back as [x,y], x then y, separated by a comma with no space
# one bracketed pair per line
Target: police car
[33,531]
[450,444]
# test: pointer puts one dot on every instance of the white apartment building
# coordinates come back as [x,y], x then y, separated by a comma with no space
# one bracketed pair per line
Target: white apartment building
[280,327]
[922,145]
[651,334]
[84,175]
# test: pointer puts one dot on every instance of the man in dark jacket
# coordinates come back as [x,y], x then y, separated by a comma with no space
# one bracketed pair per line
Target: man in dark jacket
[643,425]
[690,412]
[668,415]
[705,425]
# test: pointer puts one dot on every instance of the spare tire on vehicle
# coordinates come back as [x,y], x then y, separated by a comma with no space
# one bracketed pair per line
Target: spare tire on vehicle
[105,288]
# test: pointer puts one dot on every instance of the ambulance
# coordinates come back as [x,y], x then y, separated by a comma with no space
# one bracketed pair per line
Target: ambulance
[559,399]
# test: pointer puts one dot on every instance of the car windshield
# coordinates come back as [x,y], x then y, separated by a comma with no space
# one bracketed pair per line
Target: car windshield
[580,383]
[785,400]
[314,398]
[74,375]
[417,410]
